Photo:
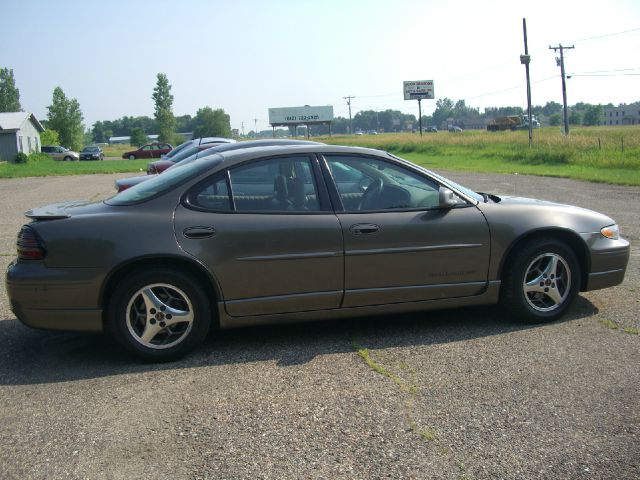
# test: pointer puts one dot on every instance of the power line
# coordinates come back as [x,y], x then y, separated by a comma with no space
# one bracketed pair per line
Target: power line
[608,35]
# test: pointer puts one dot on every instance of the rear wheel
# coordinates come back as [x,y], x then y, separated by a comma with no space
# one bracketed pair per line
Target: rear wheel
[159,314]
[132,157]
[541,280]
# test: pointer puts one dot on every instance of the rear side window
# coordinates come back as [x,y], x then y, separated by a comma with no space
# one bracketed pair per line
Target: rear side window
[284,184]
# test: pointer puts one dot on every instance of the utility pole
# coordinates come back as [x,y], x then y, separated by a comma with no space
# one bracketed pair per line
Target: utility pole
[255,128]
[560,62]
[348,99]
[525,60]
[243,129]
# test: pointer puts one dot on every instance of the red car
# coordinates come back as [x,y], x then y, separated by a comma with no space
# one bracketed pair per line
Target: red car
[151,150]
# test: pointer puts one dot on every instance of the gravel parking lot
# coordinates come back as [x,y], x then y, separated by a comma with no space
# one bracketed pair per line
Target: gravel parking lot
[462,394]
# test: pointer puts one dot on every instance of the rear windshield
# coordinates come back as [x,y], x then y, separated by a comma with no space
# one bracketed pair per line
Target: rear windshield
[164,182]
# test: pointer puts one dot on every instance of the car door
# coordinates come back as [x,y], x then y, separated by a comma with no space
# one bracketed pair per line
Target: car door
[399,245]
[268,234]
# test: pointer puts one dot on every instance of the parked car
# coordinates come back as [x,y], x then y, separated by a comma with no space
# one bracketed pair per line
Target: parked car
[124,183]
[151,150]
[431,130]
[192,148]
[282,233]
[454,129]
[92,152]
[60,153]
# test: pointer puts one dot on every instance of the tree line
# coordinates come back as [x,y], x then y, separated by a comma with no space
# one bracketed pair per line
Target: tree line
[64,123]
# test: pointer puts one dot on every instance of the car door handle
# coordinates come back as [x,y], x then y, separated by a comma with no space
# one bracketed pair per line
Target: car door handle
[199,232]
[364,228]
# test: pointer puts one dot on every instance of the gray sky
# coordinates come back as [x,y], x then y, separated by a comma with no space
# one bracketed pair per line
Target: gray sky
[247,56]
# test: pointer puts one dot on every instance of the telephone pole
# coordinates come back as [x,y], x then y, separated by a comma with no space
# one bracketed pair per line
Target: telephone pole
[560,62]
[525,60]
[348,99]
[255,126]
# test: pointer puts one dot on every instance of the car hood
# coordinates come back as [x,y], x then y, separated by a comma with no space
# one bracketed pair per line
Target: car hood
[524,210]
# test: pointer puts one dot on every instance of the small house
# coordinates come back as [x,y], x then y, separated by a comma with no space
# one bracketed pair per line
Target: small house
[19,132]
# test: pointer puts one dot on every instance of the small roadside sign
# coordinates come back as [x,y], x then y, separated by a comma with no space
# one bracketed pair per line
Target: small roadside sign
[418,89]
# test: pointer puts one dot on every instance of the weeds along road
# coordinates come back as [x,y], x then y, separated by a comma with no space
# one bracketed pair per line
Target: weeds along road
[452,394]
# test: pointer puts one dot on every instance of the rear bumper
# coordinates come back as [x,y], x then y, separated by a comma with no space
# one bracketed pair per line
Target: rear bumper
[55,298]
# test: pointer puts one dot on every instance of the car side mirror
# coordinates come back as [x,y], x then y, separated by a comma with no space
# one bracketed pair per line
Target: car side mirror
[447,199]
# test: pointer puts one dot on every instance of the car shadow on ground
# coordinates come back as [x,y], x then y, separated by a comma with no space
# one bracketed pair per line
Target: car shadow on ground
[31,357]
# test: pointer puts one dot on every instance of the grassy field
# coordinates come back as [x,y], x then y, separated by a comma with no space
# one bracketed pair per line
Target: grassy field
[594,154]
[597,154]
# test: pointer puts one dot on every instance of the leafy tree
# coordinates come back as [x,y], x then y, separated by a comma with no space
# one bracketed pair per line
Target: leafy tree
[49,137]
[65,117]
[575,118]
[555,119]
[443,111]
[211,123]
[493,112]
[9,94]
[551,107]
[164,108]
[100,132]
[593,115]
[138,137]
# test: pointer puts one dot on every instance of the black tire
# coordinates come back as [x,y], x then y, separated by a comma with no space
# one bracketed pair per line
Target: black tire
[545,296]
[68,159]
[129,316]
[132,157]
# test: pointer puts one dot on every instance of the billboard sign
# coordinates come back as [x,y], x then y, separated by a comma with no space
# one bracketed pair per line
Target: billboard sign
[298,115]
[418,89]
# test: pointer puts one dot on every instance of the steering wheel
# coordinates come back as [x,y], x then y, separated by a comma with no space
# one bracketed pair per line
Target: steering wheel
[371,194]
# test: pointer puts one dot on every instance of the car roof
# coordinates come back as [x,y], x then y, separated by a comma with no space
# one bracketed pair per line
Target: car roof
[232,157]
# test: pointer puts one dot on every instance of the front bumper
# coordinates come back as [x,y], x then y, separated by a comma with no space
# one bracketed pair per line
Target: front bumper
[55,298]
[609,259]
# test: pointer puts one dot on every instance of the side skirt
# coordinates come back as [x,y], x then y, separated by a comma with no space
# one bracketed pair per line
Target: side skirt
[488,297]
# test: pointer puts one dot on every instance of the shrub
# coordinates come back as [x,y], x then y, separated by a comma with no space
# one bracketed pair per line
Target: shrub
[21,158]
[36,157]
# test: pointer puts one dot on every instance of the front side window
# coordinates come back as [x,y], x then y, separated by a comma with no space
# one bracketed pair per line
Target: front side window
[367,184]
[283,184]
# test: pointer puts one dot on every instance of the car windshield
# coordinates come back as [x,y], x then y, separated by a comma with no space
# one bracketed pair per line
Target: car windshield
[91,149]
[468,192]
[187,152]
[162,183]
[177,150]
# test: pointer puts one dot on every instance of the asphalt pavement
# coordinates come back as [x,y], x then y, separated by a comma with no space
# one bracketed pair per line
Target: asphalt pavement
[456,394]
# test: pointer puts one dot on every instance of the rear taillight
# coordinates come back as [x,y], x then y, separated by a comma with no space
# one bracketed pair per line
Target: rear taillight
[29,245]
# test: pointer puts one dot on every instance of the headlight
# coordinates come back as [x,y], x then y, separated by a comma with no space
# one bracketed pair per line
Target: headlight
[612,232]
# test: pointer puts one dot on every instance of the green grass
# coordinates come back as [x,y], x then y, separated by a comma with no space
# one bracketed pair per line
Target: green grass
[48,167]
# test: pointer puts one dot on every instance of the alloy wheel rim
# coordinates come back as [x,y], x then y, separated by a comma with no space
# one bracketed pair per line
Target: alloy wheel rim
[159,316]
[547,282]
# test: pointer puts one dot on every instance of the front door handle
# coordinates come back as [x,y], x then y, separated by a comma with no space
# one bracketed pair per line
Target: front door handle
[199,232]
[364,229]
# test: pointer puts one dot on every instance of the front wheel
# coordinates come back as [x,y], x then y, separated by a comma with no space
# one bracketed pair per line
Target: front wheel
[541,280]
[159,314]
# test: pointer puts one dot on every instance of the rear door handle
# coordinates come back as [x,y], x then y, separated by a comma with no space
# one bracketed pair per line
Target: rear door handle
[364,228]
[199,232]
